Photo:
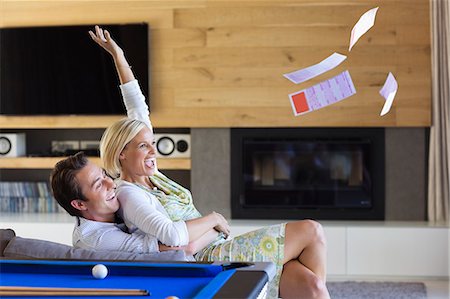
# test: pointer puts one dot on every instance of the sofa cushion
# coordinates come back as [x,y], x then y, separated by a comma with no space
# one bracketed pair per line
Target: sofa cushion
[5,236]
[24,248]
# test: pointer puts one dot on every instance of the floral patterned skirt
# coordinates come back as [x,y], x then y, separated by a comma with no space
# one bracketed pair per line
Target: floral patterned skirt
[262,245]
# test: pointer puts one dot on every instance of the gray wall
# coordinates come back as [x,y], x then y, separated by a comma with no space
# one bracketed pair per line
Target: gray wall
[210,171]
[405,172]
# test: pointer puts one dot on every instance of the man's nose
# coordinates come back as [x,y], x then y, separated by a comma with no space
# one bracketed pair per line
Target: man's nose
[111,183]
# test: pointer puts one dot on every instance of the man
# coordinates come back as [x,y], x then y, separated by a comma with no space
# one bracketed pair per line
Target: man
[86,192]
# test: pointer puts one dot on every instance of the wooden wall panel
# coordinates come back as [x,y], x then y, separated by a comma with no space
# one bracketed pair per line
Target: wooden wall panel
[220,63]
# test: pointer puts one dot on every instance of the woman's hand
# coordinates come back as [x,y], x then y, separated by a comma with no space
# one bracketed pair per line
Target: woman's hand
[197,227]
[222,225]
[104,40]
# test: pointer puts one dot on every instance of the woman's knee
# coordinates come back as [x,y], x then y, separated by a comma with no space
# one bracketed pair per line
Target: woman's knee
[317,288]
[317,231]
[311,228]
[299,282]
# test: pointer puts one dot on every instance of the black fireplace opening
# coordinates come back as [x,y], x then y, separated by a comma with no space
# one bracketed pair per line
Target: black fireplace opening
[314,173]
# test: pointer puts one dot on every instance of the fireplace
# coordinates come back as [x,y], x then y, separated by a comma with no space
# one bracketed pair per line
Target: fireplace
[317,173]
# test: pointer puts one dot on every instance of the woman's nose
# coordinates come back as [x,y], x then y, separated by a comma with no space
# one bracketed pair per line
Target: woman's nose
[152,148]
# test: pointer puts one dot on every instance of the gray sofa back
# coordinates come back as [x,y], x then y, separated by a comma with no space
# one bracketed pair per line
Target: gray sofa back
[14,247]
[5,236]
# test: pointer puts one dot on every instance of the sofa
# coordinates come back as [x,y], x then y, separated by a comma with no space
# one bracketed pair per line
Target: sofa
[15,247]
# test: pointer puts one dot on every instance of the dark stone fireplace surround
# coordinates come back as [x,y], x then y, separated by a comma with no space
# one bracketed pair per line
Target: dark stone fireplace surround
[315,173]
[405,168]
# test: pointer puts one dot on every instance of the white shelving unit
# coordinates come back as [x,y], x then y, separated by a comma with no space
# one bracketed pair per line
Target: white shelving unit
[379,248]
[355,249]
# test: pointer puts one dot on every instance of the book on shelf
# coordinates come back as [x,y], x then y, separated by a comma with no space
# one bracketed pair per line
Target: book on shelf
[27,197]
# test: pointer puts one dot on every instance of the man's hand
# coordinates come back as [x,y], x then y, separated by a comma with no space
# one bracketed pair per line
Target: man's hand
[163,247]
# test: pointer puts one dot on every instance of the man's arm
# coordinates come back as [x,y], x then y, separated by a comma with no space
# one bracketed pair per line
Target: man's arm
[100,236]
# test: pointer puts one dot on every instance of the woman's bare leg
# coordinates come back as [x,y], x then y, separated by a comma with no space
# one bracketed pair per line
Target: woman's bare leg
[304,260]
[298,282]
[305,241]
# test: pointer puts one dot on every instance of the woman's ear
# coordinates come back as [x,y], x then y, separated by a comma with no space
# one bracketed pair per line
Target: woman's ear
[78,204]
[122,155]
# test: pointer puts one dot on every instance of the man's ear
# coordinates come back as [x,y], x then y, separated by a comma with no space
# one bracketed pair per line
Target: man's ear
[78,204]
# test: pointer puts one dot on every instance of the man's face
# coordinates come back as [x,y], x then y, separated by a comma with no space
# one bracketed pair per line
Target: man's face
[99,191]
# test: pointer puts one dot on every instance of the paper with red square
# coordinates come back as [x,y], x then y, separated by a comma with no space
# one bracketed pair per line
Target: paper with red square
[323,94]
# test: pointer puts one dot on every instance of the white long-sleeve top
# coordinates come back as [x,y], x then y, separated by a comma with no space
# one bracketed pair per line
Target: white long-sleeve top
[139,208]
[135,103]
[89,234]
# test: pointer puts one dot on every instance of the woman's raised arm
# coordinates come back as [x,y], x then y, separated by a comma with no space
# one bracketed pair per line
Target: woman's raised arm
[104,40]
[133,98]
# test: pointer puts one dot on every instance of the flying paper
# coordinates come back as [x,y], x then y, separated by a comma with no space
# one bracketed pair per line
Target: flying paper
[362,26]
[323,94]
[388,91]
[310,72]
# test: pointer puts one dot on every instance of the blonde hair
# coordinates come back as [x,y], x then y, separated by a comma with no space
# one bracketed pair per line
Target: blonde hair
[114,140]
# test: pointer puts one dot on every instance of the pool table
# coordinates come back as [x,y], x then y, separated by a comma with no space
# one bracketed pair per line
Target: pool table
[161,280]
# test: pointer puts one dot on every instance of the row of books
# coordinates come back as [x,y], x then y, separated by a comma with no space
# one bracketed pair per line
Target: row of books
[25,189]
[29,205]
[27,197]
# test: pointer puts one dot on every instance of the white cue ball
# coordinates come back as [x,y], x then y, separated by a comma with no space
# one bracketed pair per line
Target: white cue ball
[99,271]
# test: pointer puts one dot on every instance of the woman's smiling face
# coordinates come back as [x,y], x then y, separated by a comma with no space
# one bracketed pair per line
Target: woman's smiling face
[138,158]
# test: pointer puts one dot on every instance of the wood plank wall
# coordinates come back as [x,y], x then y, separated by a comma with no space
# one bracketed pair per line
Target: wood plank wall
[220,63]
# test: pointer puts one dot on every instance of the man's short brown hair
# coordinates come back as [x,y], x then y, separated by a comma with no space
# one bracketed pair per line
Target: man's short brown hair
[64,184]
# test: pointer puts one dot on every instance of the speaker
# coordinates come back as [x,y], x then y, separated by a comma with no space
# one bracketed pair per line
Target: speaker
[173,145]
[12,145]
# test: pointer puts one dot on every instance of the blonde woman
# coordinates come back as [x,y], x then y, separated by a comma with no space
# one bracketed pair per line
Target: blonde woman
[151,202]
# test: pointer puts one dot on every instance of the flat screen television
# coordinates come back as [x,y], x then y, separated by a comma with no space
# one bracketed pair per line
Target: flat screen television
[59,70]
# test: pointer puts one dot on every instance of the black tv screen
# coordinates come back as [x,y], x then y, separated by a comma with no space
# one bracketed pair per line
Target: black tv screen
[59,70]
